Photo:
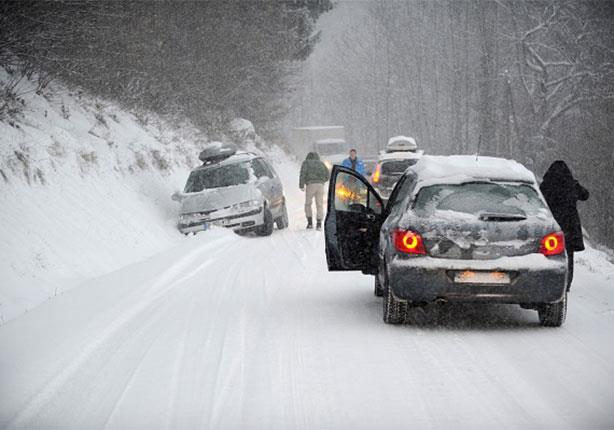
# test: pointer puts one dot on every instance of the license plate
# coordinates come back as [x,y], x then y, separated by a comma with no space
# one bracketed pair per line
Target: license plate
[471,277]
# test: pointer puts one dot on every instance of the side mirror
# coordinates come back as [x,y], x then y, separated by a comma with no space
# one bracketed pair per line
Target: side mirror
[176,196]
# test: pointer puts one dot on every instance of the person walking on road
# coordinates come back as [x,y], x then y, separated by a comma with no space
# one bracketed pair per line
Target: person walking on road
[354,163]
[313,176]
[562,192]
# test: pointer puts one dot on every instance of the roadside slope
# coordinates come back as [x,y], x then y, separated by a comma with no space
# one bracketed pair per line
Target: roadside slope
[84,190]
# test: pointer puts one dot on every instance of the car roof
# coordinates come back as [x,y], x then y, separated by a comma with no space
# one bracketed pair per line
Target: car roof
[400,155]
[453,169]
[238,157]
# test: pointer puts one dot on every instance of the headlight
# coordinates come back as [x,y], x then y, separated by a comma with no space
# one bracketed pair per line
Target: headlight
[185,219]
[249,204]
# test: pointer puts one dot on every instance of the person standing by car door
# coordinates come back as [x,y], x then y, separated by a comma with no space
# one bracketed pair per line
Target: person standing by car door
[313,176]
[354,163]
[562,192]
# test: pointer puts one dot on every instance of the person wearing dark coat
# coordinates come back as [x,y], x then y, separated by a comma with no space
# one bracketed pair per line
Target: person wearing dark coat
[314,174]
[562,192]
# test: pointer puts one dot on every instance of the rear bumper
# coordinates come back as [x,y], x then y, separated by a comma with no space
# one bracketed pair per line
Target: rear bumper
[240,222]
[534,279]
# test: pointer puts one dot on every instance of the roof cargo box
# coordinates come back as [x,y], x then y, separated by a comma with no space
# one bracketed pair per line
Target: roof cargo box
[401,143]
[216,152]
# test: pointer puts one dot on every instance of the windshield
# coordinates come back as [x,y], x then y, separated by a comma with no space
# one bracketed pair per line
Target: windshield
[218,176]
[479,198]
[330,148]
[396,167]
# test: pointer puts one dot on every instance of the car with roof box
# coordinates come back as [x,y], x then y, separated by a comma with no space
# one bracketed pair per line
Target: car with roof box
[455,229]
[234,189]
[401,152]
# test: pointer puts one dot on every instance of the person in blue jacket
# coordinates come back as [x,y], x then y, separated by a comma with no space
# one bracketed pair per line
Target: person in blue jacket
[354,163]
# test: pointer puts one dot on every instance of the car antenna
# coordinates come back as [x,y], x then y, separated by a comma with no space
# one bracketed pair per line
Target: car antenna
[479,144]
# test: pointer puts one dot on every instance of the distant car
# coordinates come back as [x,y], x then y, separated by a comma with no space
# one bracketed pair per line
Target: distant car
[237,190]
[454,229]
[331,151]
[370,165]
[390,168]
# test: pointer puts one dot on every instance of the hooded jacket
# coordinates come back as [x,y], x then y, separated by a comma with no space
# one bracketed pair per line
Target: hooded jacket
[313,171]
[562,193]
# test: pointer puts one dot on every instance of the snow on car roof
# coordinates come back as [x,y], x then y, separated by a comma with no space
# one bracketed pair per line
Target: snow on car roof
[400,155]
[465,168]
[331,140]
[237,157]
[402,139]
[319,127]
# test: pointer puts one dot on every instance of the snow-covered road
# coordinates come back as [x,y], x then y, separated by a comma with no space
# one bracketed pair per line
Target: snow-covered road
[224,331]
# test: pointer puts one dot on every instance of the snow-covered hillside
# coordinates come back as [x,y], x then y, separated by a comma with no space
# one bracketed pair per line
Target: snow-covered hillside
[84,190]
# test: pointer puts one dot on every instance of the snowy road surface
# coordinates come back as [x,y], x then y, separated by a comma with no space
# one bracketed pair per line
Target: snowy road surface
[224,331]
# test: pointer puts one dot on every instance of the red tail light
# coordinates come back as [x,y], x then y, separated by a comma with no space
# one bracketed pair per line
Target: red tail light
[408,241]
[552,244]
[376,174]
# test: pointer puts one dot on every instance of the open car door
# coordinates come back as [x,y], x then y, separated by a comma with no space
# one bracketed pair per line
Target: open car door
[353,221]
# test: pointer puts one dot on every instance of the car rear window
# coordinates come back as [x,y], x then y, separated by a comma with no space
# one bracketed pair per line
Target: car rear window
[218,176]
[396,167]
[479,198]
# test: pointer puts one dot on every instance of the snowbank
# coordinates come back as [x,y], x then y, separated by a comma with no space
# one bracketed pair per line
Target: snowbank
[84,189]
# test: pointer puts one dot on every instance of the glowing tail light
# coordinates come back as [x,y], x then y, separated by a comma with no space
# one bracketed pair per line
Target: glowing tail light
[408,242]
[552,244]
[376,175]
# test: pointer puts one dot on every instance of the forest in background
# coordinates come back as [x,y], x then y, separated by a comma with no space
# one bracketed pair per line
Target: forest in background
[209,61]
[532,81]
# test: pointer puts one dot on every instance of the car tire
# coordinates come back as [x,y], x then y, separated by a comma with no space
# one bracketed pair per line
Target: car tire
[378,290]
[395,310]
[553,314]
[266,229]
[282,221]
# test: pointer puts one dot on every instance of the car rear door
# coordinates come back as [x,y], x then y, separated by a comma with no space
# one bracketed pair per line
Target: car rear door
[353,221]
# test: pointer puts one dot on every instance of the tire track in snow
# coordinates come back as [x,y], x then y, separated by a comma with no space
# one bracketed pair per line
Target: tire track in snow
[169,279]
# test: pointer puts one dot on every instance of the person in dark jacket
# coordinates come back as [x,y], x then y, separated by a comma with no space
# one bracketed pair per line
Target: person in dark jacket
[562,193]
[313,176]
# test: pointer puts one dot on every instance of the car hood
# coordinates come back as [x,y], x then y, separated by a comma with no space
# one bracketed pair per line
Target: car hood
[464,236]
[218,198]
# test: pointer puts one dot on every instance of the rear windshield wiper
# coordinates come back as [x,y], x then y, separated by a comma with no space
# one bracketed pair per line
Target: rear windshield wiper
[489,216]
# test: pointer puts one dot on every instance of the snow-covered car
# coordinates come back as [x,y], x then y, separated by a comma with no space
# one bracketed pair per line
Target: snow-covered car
[455,228]
[400,153]
[238,190]
[331,151]
[370,165]
[389,169]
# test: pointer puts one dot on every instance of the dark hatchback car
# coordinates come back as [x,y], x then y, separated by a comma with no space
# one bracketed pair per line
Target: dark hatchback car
[455,228]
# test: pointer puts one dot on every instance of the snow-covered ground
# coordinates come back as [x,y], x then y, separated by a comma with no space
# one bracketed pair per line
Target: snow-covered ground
[222,331]
[142,327]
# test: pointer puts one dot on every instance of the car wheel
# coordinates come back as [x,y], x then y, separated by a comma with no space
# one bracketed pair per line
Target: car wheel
[267,228]
[553,314]
[378,290]
[395,310]
[282,221]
